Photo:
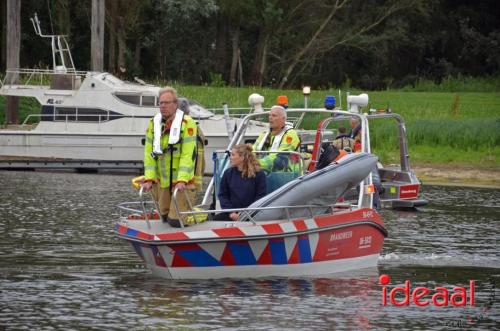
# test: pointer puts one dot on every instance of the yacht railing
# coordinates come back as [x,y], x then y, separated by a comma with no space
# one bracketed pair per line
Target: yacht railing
[73,118]
[68,119]
[29,78]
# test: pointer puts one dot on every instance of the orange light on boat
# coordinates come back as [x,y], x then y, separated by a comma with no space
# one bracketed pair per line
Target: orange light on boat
[282,100]
[369,189]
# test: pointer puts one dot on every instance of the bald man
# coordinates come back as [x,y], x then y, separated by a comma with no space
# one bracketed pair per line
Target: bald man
[279,138]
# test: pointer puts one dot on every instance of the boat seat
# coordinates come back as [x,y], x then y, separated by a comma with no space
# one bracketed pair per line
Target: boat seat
[277,179]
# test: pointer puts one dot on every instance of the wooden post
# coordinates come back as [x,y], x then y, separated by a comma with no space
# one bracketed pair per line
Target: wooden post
[13,48]
[112,24]
[3,42]
[97,29]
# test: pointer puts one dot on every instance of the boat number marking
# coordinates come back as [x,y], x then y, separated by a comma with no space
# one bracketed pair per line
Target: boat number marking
[368,214]
[56,102]
[365,242]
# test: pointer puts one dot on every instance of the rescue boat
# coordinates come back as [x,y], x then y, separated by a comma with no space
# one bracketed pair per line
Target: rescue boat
[342,240]
[298,229]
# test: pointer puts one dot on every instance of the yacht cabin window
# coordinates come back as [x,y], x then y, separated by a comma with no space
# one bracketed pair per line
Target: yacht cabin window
[84,114]
[137,99]
[148,100]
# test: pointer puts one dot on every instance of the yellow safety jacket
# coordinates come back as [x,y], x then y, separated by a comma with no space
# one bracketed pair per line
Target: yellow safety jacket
[183,154]
[290,141]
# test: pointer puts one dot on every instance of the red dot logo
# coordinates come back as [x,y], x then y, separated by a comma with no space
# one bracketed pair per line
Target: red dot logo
[384,279]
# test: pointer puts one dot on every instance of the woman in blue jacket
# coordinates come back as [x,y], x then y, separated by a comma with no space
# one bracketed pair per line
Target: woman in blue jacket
[242,184]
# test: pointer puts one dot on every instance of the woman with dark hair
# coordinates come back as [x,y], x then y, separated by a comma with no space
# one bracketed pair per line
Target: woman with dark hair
[242,184]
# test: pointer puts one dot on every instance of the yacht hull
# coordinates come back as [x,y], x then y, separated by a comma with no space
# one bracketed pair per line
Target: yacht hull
[33,145]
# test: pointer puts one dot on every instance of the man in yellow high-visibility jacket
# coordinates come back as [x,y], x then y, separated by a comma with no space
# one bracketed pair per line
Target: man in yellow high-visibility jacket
[279,138]
[170,156]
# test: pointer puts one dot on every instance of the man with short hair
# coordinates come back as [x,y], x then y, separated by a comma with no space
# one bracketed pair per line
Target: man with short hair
[280,138]
[170,156]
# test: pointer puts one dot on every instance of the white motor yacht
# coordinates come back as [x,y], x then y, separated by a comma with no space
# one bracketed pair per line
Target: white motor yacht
[91,119]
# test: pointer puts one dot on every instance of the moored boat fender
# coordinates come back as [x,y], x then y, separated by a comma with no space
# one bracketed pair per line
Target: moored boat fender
[137,182]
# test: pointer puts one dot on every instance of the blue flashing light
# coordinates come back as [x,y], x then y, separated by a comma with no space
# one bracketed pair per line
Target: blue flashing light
[330,102]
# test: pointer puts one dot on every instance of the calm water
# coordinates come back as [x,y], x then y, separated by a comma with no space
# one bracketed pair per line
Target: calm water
[61,268]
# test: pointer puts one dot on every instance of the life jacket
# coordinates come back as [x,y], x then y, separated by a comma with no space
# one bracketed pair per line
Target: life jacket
[342,153]
[262,139]
[357,146]
[329,155]
[286,140]
[165,167]
[174,134]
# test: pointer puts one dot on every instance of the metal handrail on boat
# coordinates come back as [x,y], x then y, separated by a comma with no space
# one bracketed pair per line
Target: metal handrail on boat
[124,206]
[246,211]
[241,115]
[239,135]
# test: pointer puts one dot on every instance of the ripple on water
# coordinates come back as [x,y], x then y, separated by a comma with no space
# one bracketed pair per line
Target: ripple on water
[61,267]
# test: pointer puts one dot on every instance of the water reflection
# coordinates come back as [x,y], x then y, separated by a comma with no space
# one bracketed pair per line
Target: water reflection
[258,303]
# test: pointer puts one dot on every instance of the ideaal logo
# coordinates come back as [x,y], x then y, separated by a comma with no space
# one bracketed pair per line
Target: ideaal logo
[440,297]
[421,296]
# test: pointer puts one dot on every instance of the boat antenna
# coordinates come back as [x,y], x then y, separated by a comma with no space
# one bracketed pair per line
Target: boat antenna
[50,16]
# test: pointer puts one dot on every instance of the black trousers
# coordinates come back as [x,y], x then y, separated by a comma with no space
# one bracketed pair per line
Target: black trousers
[221,217]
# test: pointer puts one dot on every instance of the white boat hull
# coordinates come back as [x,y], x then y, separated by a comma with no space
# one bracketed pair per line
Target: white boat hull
[326,244]
[310,269]
[78,146]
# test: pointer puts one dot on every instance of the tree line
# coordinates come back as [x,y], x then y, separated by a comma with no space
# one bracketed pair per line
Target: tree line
[371,44]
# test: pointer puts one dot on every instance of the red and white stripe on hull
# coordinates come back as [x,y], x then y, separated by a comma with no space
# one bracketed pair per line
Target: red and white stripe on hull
[325,244]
